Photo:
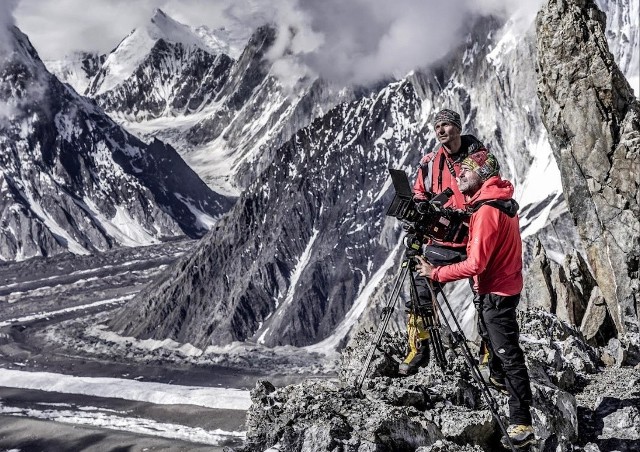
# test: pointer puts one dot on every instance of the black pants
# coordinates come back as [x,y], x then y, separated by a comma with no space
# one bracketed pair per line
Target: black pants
[498,327]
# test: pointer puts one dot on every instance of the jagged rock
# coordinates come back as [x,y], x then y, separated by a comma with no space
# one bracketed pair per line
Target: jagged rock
[448,446]
[556,352]
[555,416]
[323,416]
[610,400]
[573,289]
[560,289]
[538,290]
[597,325]
[623,423]
[614,353]
[465,426]
[593,122]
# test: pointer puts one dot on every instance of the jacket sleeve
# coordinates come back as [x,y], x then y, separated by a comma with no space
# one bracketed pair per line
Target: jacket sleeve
[483,238]
[420,191]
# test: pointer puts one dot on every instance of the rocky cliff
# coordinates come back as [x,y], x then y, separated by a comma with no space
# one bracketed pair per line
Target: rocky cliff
[573,409]
[593,121]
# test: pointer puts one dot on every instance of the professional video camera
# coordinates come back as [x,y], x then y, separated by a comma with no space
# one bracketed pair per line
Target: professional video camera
[427,218]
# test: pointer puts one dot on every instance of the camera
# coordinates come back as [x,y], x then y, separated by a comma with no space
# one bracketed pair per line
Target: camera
[427,218]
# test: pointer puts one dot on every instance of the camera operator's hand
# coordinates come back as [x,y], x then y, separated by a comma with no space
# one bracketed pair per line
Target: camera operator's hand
[423,267]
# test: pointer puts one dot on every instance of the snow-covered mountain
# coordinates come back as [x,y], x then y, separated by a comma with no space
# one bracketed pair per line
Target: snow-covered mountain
[224,111]
[128,57]
[73,180]
[300,255]
[77,69]
[311,230]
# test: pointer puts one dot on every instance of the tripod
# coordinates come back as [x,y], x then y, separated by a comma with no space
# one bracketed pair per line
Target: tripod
[432,323]
[429,319]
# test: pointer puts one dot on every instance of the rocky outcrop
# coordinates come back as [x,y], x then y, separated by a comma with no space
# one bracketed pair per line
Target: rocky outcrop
[563,290]
[434,409]
[593,120]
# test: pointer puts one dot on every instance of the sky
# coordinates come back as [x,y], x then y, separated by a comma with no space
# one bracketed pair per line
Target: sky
[344,41]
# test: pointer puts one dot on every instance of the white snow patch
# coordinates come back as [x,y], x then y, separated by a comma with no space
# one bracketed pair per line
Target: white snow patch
[543,176]
[98,418]
[120,388]
[203,220]
[300,266]
[44,315]
[122,227]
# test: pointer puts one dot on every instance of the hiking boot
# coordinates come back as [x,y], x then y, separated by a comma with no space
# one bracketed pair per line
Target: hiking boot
[498,383]
[415,359]
[418,346]
[520,435]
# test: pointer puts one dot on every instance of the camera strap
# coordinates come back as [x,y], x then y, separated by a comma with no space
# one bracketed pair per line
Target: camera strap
[452,169]
[443,159]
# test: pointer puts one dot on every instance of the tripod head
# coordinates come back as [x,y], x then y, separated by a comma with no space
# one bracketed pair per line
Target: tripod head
[413,241]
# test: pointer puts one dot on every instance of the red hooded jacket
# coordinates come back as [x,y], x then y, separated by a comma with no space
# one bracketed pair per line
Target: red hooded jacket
[436,174]
[494,250]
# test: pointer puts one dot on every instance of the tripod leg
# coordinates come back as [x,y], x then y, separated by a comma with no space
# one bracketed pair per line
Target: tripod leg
[419,333]
[438,348]
[387,312]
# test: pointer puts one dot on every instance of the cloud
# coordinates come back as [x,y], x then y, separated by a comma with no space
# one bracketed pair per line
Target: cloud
[6,21]
[365,40]
[354,41]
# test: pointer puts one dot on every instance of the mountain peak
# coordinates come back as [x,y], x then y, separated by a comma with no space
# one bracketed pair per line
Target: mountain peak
[135,48]
[158,13]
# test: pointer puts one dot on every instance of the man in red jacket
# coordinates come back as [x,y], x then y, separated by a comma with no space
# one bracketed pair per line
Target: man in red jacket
[494,260]
[438,171]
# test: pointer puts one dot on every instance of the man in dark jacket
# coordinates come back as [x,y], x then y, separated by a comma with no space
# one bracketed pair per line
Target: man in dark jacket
[438,171]
[494,260]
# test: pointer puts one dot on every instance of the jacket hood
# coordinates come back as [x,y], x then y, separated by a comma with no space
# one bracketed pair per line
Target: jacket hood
[498,192]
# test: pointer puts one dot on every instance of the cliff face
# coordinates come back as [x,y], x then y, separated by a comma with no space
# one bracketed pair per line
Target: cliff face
[593,120]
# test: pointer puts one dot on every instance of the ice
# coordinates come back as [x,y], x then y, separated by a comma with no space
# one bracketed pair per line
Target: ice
[45,315]
[98,417]
[120,388]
